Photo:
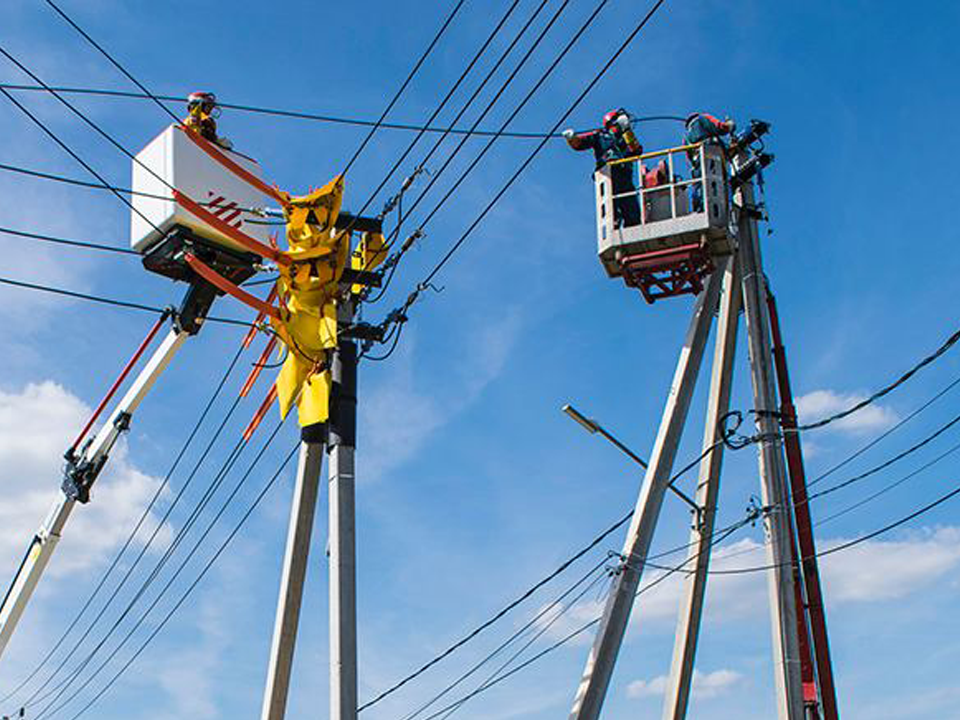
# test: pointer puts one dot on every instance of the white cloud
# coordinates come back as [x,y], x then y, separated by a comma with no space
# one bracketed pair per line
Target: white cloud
[891,569]
[820,403]
[36,426]
[873,571]
[705,685]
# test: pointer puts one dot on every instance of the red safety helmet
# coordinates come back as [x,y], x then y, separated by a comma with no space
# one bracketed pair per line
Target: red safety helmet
[610,119]
[207,101]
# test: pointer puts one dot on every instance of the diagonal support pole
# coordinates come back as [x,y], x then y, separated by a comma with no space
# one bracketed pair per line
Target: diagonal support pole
[616,614]
[677,694]
[295,559]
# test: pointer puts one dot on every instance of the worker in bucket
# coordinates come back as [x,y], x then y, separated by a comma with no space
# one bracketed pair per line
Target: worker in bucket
[701,127]
[203,113]
[615,140]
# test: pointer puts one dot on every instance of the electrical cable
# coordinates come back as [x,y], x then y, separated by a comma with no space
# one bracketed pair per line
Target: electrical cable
[218,478]
[300,115]
[498,677]
[111,301]
[550,607]
[852,543]
[65,241]
[623,46]
[197,545]
[192,586]
[136,529]
[403,87]
[145,585]
[109,57]
[66,148]
[887,463]
[442,104]
[850,458]
[944,347]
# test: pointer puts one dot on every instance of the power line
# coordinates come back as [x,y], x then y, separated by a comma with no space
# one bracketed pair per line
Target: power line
[403,87]
[218,478]
[944,347]
[301,115]
[852,543]
[161,488]
[196,546]
[109,57]
[65,241]
[887,463]
[853,456]
[192,586]
[500,674]
[111,301]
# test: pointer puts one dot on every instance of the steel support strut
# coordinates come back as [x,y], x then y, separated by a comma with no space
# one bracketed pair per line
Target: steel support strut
[777,526]
[677,693]
[616,614]
[342,528]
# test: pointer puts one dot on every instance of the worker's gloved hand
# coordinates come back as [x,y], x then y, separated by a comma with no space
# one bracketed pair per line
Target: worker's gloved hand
[623,121]
[567,134]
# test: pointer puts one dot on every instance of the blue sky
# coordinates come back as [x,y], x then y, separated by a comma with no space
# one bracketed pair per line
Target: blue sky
[472,484]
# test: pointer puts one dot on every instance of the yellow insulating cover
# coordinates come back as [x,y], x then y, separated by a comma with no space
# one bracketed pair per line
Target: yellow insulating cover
[307,291]
[371,252]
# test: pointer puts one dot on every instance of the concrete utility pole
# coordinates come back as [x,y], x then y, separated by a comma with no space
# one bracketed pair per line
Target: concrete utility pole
[616,614]
[294,573]
[781,586]
[342,541]
[677,694]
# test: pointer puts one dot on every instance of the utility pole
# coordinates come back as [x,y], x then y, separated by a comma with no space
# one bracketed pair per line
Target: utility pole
[777,525]
[342,528]
[295,562]
[616,613]
[677,695]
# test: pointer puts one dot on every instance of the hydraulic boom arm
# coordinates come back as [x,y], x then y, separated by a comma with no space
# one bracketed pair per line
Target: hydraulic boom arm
[83,467]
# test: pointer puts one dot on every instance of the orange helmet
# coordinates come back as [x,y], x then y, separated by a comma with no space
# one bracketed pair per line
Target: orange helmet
[610,119]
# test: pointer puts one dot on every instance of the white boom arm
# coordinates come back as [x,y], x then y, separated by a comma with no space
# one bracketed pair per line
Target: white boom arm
[80,474]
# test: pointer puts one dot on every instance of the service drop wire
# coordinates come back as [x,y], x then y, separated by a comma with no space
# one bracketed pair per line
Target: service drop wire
[136,530]
[166,588]
[193,585]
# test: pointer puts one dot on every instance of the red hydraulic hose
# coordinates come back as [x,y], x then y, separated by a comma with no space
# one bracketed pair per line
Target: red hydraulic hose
[118,382]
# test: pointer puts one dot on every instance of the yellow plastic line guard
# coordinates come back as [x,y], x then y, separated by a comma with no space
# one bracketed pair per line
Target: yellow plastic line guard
[215,278]
[210,149]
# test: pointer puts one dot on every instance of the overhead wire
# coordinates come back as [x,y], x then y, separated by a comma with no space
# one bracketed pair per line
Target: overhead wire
[882,436]
[502,673]
[161,488]
[193,585]
[49,709]
[403,87]
[168,552]
[112,301]
[66,241]
[302,115]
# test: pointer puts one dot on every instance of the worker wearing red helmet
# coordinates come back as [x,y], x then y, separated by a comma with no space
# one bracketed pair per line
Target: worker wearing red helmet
[701,127]
[203,111]
[615,140]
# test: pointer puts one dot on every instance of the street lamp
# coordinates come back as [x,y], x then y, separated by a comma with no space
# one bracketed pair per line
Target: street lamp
[593,427]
